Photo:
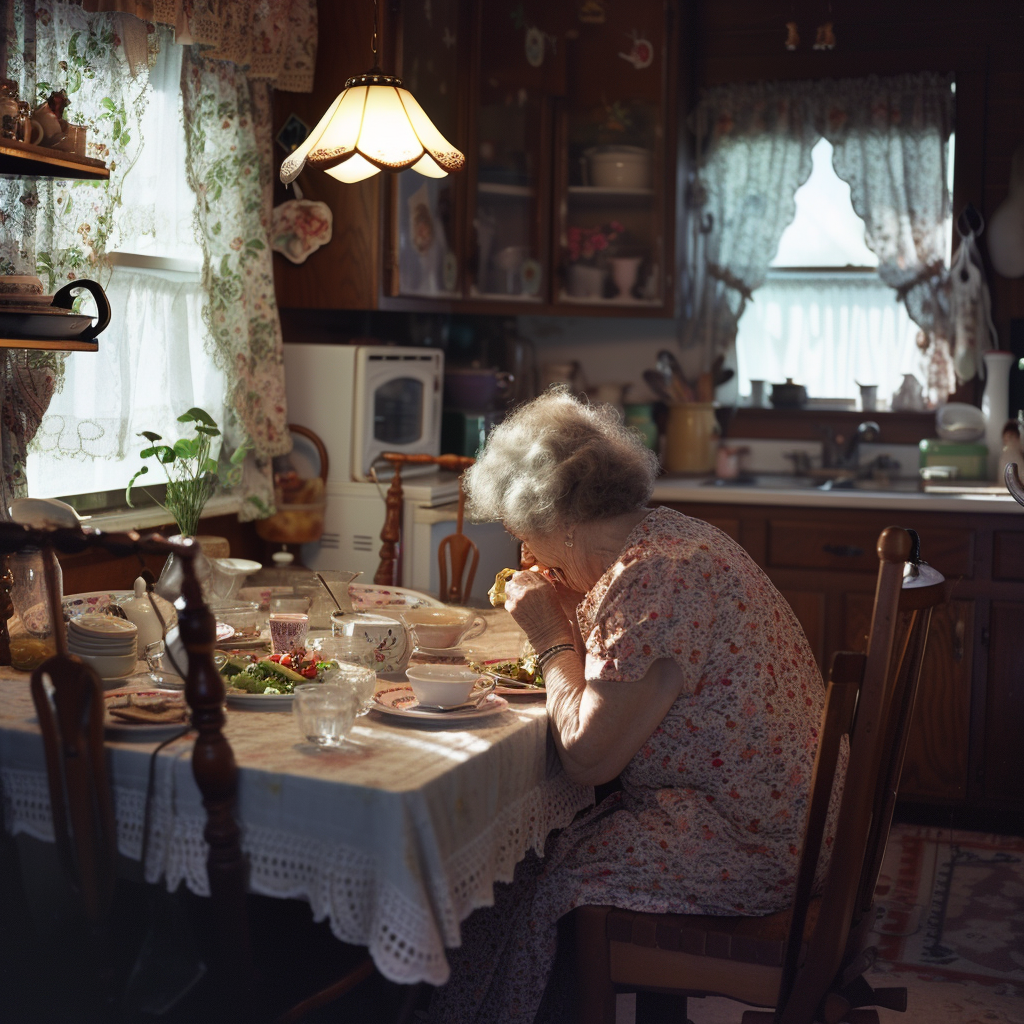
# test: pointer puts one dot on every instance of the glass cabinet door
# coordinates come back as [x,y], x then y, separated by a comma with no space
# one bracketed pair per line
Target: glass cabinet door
[426,224]
[611,213]
[520,67]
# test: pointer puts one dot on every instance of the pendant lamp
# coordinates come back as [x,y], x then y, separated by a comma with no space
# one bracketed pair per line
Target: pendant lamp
[374,125]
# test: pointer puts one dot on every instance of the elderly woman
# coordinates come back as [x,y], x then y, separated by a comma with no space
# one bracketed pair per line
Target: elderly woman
[671,662]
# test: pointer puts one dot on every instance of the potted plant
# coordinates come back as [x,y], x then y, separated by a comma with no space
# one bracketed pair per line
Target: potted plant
[192,477]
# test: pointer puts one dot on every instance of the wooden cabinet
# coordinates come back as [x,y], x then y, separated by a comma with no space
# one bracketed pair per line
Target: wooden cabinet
[968,721]
[566,114]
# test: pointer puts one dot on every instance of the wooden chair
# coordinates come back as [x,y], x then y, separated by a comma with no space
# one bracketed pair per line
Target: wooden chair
[805,962]
[455,553]
[1013,482]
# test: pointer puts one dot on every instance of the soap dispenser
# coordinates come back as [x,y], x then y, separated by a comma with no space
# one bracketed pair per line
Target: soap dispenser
[139,609]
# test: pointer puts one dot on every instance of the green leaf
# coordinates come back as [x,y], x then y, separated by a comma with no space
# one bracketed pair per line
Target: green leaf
[186,448]
[128,489]
[210,466]
[107,104]
[197,415]
[150,436]
[239,454]
[166,455]
[147,453]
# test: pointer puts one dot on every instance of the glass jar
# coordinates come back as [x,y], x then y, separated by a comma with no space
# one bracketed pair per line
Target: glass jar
[32,629]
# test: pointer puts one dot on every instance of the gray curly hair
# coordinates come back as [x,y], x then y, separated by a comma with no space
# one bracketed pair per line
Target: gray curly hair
[556,462]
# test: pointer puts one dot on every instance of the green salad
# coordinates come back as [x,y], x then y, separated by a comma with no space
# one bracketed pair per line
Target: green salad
[266,676]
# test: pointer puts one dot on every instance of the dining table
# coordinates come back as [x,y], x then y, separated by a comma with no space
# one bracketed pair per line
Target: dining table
[394,838]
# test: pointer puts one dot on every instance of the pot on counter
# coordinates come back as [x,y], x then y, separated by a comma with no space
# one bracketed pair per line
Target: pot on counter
[789,395]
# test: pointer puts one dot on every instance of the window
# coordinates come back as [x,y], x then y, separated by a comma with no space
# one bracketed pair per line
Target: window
[153,360]
[823,316]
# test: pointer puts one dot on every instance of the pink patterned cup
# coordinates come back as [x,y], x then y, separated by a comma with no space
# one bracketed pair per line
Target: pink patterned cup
[287,631]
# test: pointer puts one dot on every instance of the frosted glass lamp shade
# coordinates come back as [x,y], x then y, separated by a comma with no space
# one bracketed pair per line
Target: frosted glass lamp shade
[374,125]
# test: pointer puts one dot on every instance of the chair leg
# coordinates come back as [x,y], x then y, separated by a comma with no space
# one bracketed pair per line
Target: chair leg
[660,1008]
[595,996]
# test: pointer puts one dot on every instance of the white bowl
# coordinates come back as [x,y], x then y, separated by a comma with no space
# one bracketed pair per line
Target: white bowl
[97,624]
[438,627]
[443,685]
[88,646]
[958,421]
[110,667]
[619,167]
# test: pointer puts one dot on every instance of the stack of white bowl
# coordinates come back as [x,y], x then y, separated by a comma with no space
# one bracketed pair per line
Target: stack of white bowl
[107,643]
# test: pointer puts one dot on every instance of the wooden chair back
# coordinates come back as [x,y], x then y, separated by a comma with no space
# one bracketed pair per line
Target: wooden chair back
[457,548]
[889,674]
[1014,484]
[68,698]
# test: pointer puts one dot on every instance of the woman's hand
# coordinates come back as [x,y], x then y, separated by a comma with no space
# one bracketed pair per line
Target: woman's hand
[536,605]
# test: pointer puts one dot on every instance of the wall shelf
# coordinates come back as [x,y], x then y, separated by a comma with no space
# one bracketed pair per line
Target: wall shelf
[51,344]
[22,159]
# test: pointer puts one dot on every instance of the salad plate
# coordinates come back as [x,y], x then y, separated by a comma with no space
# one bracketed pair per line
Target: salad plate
[260,701]
[144,732]
[401,701]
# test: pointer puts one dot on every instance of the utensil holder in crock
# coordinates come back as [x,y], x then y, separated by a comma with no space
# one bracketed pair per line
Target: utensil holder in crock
[691,438]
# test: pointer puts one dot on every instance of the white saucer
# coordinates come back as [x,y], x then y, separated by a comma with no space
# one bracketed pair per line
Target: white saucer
[401,701]
[261,701]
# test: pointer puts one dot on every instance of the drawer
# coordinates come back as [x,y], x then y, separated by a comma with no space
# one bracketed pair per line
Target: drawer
[803,544]
[1007,555]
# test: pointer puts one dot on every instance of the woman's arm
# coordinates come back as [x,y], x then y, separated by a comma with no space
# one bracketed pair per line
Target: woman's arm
[599,726]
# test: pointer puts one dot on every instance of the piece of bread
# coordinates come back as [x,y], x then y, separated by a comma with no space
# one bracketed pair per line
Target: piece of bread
[496,595]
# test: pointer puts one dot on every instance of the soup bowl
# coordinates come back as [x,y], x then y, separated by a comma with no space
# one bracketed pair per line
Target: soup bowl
[442,627]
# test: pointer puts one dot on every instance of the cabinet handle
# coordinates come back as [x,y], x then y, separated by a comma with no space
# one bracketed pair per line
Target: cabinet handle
[958,640]
[843,550]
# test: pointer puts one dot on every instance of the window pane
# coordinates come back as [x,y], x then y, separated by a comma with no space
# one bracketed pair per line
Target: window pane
[825,231]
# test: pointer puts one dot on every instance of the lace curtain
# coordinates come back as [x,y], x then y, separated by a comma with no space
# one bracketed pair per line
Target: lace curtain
[60,229]
[754,151]
[65,230]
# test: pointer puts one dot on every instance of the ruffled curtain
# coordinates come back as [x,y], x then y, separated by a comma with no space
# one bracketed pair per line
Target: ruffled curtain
[228,157]
[754,151]
[272,40]
[60,229]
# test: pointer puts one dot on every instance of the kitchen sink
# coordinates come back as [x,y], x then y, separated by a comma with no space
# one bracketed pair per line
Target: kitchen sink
[789,482]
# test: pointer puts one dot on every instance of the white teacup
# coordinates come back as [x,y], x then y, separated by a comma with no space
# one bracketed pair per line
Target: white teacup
[443,627]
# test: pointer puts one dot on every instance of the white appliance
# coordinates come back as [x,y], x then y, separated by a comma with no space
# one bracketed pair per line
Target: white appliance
[321,381]
[366,399]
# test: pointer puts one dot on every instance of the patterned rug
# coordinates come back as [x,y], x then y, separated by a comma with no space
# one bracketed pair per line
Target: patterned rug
[952,905]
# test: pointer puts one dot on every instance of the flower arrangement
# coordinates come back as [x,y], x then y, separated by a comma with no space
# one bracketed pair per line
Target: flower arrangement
[590,245]
[191,471]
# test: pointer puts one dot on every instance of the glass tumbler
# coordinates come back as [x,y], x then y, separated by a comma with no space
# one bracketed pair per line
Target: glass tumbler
[324,712]
[361,678]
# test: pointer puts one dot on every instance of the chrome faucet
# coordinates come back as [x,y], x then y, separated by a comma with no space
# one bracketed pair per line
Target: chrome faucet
[840,451]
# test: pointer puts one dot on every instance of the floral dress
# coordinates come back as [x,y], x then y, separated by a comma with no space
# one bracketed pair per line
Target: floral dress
[712,806]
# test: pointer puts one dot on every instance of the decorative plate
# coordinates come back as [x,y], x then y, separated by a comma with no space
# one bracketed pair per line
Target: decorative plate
[370,595]
[401,701]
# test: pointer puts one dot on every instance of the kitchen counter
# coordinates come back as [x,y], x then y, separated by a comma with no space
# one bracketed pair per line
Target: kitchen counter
[904,495]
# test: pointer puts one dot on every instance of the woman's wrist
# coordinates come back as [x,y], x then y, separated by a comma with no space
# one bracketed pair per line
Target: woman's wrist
[554,651]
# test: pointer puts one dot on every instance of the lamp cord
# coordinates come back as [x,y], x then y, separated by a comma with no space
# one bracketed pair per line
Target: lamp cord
[373,45]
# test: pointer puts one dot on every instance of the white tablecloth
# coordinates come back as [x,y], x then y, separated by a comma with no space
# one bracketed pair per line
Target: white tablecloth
[394,840]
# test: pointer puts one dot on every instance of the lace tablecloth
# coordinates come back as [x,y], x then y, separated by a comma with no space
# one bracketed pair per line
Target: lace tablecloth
[394,840]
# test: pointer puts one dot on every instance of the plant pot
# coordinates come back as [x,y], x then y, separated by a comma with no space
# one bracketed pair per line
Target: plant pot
[586,282]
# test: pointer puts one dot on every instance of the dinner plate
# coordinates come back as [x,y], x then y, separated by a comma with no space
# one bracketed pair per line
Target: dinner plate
[370,595]
[142,732]
[261,701]
[508,687]
[401,701]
